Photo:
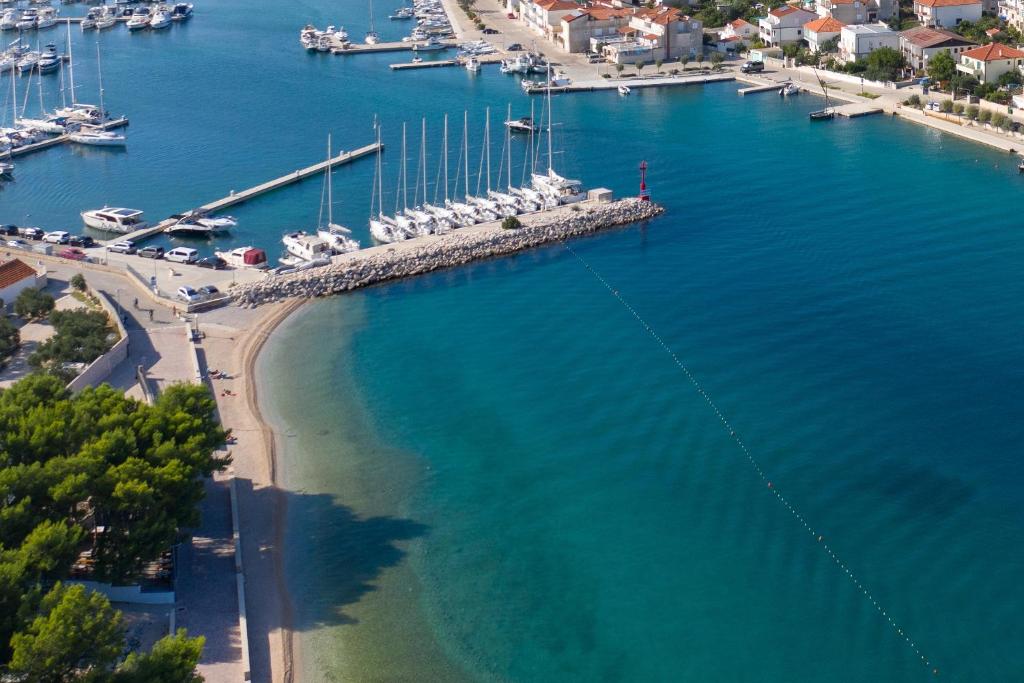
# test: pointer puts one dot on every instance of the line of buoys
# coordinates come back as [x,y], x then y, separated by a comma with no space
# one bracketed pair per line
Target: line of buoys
[746,452]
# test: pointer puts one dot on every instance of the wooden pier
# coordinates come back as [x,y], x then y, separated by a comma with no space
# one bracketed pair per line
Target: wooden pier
[61,139]
[263,188]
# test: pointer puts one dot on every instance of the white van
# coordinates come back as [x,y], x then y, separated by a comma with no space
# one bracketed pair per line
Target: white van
[182,255]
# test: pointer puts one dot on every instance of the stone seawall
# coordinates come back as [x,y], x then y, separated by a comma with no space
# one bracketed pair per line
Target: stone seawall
[435,252]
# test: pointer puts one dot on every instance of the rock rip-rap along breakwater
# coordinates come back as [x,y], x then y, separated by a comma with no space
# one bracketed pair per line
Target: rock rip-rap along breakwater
[434,252]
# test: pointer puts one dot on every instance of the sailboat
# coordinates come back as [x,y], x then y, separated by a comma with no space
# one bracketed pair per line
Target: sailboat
[554,188]
[826,113]
[92,134]
[371,36]
[382,229]
[337,236]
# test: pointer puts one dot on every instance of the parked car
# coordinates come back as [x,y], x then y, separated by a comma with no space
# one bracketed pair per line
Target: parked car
[73,253]
[752,67]
[82,241]
[491,31]
[31,233]
[214,262]
[511,15]
[514,47]
[209,292]
[124,247]
[189,295]
[9,230]
[18,244]
[57,237]
[151,252]
[182,255]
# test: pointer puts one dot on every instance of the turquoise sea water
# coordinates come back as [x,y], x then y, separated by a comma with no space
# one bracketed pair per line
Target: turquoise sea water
[496,473]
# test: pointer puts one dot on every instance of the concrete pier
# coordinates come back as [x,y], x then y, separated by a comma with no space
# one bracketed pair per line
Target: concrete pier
[61,139]
[263,188]
[354,49]
[633,83]
[408,258]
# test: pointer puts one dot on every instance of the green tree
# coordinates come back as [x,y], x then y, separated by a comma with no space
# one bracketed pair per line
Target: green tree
[80,336]
[33,303]
[511,223]
[657,65]
[998,118]
[619,68]
[884,64]
[959,108]
[716,60]
[172,660]
[78,282]
[972,112]
[76,633]
[941,67]
[984,116]
[10,338]
[639,65]
[1012,77]
[684,60]
[946,106]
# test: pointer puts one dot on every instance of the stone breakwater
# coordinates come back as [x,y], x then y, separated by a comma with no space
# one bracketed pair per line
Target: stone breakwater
[434,252]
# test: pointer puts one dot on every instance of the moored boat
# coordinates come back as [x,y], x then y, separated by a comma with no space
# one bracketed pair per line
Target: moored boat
[245,257]
[111,219]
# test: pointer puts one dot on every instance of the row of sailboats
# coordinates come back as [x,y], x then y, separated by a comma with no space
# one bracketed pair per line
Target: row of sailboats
[487,203]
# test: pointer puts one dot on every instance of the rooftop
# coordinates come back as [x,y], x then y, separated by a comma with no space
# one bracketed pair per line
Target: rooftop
[14,271]
[994,51]
[824,25]
[946,3]
[866,29]
[924,36]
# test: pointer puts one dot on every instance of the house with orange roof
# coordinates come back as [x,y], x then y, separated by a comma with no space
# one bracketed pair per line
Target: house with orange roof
[988,62]
[736,36]
[658,33]
[544,17]
[820,31]
[947,13]
[588,29]
[784,25]
[16,276]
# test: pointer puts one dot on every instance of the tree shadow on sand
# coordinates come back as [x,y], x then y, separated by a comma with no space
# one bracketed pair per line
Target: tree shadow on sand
[335,557]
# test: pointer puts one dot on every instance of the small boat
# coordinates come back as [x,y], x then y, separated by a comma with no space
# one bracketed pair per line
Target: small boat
[432,45]
[47,18]
[417,59]
[402,13]
[624,90]
[27,20]
[181,11]
[28,62]
[89,20]
[49,60]
[305,247]
[244,257]
[523,125]
[371,38]
[96,136]
[161,19]
[106,19]
[110,219]
[473,65]
[827,113]
[1020,167]
[9,20]
[139,19]
[789,90]
[6,169]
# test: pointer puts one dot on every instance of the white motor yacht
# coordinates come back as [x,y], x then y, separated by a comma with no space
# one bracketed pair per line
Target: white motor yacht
[557,190]
[523,125]
[624,90]
[473,65]
[9,20]
[139,20]
[106,19]
[111,219]
[27,20]
[161,18]
[47,18]
[339,238]
[306,247]
[182,11]
[28,62]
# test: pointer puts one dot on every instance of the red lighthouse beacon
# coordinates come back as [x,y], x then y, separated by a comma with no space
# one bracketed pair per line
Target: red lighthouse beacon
[644,195]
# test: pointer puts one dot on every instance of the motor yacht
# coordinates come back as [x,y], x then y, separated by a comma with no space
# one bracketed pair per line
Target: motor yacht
[110,219]
[96,136]
[182,11]
[244,258]
[161,18]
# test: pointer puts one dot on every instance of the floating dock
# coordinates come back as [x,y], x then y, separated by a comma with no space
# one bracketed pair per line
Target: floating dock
[61,139]
[632,83]
[353,49]
[425,64]
[263,188]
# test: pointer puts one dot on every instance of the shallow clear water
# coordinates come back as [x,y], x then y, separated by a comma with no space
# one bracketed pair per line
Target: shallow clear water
[497,474]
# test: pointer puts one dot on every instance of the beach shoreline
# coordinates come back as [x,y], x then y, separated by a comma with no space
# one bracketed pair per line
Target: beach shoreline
[236,350]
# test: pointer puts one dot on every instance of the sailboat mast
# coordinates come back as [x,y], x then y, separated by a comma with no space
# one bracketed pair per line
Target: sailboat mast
[533,126]
[487,143]
[508,146]
[405,171]
[330,198]
[446,159]
[423,156]
[380,177]
[71,66]
[465,148]
[99,76]
[550,164]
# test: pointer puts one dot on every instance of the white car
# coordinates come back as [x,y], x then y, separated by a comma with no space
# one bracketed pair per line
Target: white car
[57,237]
[125,247]
[18,244]
[182,255]
[189,295]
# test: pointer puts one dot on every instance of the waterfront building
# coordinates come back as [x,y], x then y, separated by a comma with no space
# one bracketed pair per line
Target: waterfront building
[988,62]
[737,34]
[921,43]
[858,11]
[544,17]
[587,29]
[17,276]
[784,25]
[947,13]
[662,33]
[1013,12]
[858,41]
[820,31]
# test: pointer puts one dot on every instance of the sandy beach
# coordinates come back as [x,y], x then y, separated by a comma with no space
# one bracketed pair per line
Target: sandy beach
[234,338]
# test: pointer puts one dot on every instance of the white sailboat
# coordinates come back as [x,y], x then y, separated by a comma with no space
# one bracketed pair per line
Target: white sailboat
[555,189]
[381,229]
[371,36]
[337,236]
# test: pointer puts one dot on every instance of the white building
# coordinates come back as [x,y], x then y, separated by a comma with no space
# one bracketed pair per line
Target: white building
[1013,12]
[921,43]
[784,25]
[858,41]
[820,31]
[544,17]
[988,62]
[947,13]
[16,276]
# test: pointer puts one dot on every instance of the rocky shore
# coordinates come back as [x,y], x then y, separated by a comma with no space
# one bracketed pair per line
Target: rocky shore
[434,252]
